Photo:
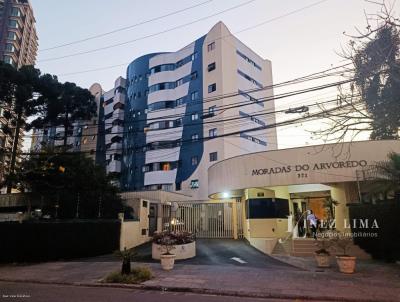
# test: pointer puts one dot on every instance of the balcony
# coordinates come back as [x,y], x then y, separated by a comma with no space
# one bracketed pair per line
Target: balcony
[166,134]
[114,166]
[119,98]
[170,154]
[159,177]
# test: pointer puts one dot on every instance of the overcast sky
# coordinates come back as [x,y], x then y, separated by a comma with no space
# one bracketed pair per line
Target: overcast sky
[297,44]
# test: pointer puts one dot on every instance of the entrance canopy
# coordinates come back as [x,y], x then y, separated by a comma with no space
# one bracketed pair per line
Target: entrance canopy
[321,164]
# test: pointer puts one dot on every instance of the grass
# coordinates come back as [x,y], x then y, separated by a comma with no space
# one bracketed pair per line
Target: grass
[139,274]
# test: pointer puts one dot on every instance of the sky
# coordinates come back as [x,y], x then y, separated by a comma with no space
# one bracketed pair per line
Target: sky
[297,43]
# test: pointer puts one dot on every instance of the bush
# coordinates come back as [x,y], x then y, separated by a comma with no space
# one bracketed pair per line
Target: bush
[386,245]
[138,275]
[176,238]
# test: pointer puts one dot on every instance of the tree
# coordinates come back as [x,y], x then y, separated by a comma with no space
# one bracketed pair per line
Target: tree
[18,96]
[386,176]
[69,104]
[26,93]
[371,102]
[72,182]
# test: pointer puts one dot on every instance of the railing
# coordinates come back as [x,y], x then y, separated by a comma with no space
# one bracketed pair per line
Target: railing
[295,230]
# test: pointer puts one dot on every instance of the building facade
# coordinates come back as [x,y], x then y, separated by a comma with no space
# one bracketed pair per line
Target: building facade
[114,111]
[18,47]
[189,109]
[18,38]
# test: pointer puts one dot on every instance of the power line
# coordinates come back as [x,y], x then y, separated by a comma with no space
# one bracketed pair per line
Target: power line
[309,77]
[150,35]
[308,117]
[243,103]
[185,25]
[126,27]
[238,105]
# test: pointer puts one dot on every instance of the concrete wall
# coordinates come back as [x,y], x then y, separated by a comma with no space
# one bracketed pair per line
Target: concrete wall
[281,167]
[131,235]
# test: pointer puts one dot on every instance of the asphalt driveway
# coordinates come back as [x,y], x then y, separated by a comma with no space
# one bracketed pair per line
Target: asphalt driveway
[222,252]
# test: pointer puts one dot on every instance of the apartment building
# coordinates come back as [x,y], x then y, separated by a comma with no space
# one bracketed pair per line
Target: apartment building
[192,108]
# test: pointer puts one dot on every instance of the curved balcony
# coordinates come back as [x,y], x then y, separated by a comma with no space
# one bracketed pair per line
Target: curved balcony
[169,94]
[167,155]
[170,76]
[169,134]
[161,113]
[159,177]
[171,57]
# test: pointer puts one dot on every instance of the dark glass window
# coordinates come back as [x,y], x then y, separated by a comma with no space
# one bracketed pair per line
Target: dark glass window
[267,208]
[211,67]
[212,87]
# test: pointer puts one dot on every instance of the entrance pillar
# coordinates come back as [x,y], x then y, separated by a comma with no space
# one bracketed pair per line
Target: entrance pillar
[234,220]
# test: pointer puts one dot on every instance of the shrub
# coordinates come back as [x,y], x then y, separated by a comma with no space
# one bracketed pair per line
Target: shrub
[138,275]
[177,238]
[385,245]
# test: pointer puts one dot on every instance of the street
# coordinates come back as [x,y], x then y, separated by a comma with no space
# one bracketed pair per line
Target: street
[60,293]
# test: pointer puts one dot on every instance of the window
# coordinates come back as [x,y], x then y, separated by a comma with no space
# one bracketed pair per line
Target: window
[212,132]
[8,60]
[178,186]
[179,82]
[195,160]
[15,12]
[194,184]
[165,166]
[9,47]
[211,110]
[195,116]
[194,56]
[193,76]
[260,194]
[144,205]
[250,79]
[211,67]
[212,87]
[11,35]
[194,95]
[195,137]
[180,101]
[213,156]
[211,46]
[248,60]
[13,24]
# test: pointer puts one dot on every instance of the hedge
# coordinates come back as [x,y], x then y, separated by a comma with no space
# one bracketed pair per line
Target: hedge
[56,240]
[386,245]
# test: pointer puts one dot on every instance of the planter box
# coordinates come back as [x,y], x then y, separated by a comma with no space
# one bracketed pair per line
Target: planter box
[182,251]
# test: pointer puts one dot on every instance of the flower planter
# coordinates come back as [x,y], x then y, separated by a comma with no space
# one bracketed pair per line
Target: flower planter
[181,251]
[167,261]
[347,264]
[323,259]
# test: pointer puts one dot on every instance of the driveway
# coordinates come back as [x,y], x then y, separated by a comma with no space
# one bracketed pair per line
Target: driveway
[222,252]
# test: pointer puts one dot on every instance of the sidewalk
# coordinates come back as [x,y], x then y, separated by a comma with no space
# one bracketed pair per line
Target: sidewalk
[373,282]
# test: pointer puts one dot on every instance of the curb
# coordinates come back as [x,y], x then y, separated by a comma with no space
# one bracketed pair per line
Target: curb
[204,291]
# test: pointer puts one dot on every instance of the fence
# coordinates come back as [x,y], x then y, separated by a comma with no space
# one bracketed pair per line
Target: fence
[206,220]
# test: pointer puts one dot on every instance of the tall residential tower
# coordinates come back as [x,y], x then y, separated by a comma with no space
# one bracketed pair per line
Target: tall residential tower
[189,109]
[18,38]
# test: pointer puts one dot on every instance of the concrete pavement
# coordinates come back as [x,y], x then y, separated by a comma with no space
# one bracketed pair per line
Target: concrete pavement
[374,283]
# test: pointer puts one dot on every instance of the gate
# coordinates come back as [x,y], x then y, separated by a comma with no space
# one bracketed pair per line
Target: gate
[205,220]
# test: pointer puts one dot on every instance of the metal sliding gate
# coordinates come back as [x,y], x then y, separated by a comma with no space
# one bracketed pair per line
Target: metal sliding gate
[206,220]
